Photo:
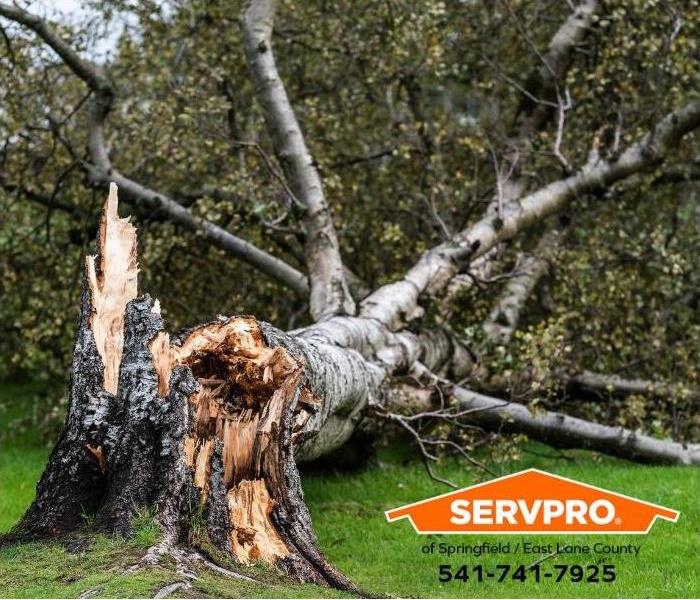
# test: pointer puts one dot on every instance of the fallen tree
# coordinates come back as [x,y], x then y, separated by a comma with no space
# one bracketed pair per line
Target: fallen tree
[215,419]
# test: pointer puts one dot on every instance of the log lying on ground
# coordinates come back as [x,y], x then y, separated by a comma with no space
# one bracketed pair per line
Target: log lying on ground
[213,421]
[562,431]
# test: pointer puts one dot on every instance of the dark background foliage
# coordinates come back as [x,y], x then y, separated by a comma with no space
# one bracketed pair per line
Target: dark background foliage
[406,107]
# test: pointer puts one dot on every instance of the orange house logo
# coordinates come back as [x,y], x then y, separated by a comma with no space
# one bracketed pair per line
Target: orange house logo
[532,501]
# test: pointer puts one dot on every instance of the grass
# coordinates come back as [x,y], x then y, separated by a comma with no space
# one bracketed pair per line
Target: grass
[99,564]
[348,514]
[22,455]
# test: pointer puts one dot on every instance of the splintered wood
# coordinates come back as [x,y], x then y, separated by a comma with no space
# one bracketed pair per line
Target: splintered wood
[152,438]
[243,388]
[254,537]
[112,279]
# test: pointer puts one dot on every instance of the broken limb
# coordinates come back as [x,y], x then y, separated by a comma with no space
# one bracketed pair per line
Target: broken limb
[213,421]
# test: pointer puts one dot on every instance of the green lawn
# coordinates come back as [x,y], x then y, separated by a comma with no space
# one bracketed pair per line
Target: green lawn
[348,512]
[386,558]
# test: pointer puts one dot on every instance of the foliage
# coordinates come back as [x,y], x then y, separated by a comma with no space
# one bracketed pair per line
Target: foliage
[404,107]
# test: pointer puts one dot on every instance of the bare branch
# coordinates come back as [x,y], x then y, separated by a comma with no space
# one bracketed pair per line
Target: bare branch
[102,172]
[423,441]
[330,294]
[394,302]
[88,71]
[564,105]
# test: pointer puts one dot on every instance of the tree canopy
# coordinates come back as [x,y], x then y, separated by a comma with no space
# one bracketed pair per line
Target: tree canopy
[417,116]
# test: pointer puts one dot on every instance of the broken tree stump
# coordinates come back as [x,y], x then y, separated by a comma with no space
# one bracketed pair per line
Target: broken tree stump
[203,424]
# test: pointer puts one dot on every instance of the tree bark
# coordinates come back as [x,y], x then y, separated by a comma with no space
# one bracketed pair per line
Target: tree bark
[396,303]
[214,420]
[503,320]
[563,431]
[208,421]
[330,294]
[603,383]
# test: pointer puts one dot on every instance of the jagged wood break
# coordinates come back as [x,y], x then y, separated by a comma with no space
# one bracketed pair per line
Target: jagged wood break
[246,390]
[200,424]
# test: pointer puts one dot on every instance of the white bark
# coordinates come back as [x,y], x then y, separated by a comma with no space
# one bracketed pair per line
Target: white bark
[601,382]
[396,303]
[330,294]
[505,315]
[512,181]
[350,361]
[563,431]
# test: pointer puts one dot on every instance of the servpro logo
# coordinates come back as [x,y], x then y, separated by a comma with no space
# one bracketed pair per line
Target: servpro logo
[532,501]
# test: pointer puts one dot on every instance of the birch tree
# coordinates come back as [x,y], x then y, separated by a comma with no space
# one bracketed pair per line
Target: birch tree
[218,416]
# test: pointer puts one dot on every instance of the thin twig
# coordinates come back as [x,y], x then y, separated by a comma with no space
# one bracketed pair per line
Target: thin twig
[564,105]
[271,169]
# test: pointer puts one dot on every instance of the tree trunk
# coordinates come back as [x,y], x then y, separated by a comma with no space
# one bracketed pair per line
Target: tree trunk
[204,423]
[207,426]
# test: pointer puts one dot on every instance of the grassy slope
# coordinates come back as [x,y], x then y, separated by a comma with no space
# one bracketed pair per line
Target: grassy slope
[348,512]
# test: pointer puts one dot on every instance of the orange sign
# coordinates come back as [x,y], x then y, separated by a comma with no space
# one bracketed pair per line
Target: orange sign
[532,501]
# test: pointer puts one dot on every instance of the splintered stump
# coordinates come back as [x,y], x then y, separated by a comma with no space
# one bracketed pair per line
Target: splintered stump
[198,427]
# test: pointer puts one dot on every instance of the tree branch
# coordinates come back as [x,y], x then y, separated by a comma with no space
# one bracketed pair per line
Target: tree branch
[544,81]
[88,71]
[505,315]
[101,171]
[43,199]
[330,294]
[532,115]
[393,303]
[563,431]
[601,382]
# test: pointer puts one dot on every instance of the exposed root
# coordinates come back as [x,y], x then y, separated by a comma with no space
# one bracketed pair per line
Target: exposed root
[166,547]
[199,557]
[167,590]
[184,562]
